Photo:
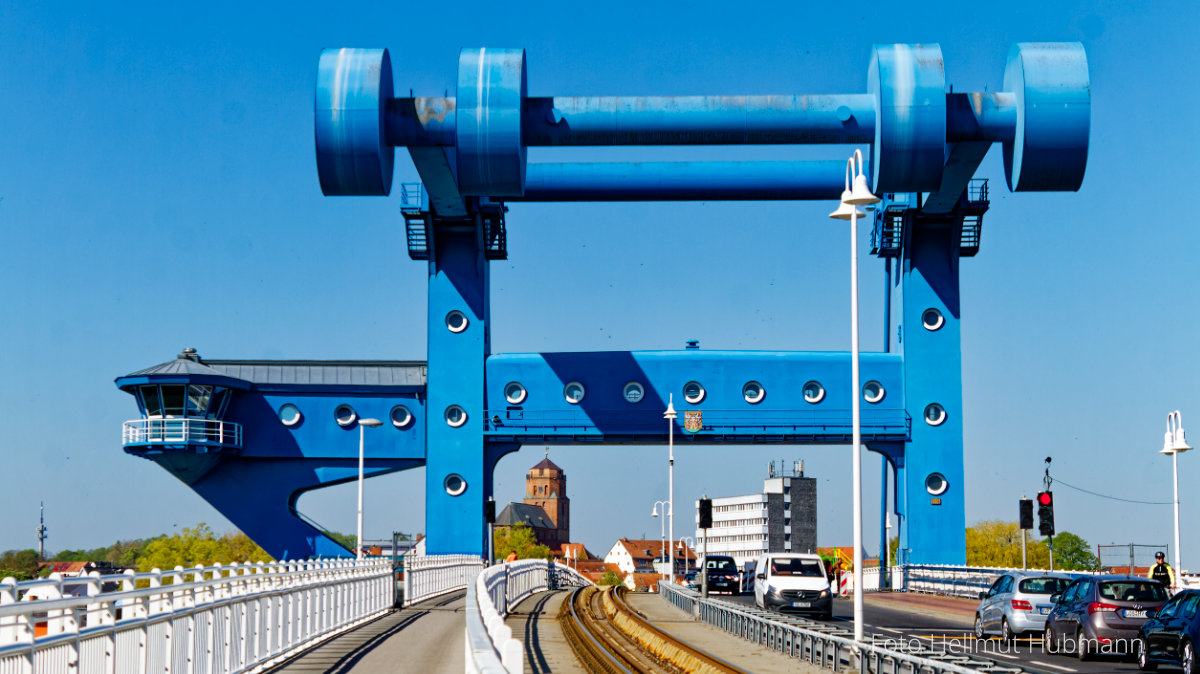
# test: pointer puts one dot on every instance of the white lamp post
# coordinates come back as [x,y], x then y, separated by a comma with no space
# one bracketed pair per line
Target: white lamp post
[852,198]
[1174,443]
[362,424]
[670,416]
[663,524]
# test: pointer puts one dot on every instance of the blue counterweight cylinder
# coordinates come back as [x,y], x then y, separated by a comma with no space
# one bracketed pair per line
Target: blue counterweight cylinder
[489,142]
[909,84]
[353,89]
[1049,149]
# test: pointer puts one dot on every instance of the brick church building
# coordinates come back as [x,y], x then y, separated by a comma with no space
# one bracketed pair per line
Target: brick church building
[546,508]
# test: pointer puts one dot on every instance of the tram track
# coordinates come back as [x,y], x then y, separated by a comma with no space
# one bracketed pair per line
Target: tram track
[610,636]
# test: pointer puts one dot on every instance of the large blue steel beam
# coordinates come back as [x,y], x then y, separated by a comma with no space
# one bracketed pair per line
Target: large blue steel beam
[683,181]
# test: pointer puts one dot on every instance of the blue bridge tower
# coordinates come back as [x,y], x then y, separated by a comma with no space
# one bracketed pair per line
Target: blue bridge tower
[251,436]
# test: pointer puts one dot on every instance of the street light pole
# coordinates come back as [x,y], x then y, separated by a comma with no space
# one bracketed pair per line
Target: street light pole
[852,198]
[670,415]
[662,541]
[362,424]
[1174,442]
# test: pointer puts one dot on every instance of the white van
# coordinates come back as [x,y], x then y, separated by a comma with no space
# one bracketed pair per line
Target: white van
[793,582]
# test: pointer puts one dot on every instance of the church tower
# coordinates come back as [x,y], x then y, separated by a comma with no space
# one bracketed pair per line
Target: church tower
[546,486]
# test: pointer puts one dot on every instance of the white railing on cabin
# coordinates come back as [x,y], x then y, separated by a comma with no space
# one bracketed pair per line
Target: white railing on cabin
[243,617]
[182,430]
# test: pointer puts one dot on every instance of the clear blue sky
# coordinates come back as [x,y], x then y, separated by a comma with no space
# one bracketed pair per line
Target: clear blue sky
[159,191]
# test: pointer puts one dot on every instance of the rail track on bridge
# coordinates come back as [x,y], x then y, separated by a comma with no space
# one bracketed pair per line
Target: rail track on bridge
[610,636]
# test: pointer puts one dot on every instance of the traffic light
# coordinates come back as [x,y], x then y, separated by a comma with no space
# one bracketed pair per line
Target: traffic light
[1045,501]
[705,513]
[1026,513]
[489,511]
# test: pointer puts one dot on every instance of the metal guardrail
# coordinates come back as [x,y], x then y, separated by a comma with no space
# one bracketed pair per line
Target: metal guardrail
[427,576]
[239,618]
[962,581]
[494,592]
[181,431]
[822,644]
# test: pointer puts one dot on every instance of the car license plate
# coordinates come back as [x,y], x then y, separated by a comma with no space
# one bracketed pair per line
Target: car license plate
[1044,610]
[801,604]
[1134,614]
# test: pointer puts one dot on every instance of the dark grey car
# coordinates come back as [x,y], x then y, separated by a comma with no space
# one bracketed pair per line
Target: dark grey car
[1102,614]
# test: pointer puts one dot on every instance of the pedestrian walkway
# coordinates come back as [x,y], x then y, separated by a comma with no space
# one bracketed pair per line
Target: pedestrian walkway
[727,647]
[426,637]
[535,623]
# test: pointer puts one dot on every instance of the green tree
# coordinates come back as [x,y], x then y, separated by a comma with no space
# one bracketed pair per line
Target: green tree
[199,546]
[19,564]
[1073,553]
[611,578]
[997,543]
[518,538]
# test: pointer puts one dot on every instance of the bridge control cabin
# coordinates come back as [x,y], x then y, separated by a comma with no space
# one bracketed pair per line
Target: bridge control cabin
[252,436]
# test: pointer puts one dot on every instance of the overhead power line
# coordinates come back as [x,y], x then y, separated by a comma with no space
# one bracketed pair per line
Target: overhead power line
[1113,498]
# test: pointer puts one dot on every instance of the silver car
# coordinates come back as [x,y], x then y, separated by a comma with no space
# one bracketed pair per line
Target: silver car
[1017,603]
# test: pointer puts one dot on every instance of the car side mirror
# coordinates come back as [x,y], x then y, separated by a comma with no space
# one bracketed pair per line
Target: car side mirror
[761,576]
[1151,613]
[1054,598]
[983,595]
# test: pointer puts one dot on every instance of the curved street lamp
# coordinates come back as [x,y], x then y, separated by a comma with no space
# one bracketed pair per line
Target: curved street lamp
[853,197]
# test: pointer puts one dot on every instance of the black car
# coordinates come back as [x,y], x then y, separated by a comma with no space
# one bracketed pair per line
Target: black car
[722,573]
[1169,637]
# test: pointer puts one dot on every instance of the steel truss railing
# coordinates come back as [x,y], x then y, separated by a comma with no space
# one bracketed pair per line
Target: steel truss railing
[238,618]
[961,581]
[825,645]
[494,592]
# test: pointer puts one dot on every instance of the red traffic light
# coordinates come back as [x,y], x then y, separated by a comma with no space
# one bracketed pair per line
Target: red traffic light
[1044,498]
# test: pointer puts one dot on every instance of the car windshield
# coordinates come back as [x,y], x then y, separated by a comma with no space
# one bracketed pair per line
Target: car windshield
[1045,586]
[722,565]
[1132,590]
[795,567]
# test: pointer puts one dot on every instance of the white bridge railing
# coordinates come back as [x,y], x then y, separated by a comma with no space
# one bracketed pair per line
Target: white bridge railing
[494,592]
[427,576]
[243,617]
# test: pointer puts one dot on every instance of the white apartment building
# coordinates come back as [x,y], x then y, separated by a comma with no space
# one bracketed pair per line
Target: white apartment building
[783,518]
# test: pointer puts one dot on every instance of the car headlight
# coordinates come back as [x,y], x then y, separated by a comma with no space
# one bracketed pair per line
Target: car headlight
[774,591]
[824,593]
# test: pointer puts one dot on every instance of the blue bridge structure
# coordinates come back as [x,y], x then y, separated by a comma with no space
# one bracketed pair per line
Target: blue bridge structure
[252,436]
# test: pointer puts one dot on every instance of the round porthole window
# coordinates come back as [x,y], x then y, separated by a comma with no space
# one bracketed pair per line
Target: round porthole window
[456,321]
[936,484]
[693,392]
[290,415]
[932,319]
[514,393]
[574,392]
[873,391]
[753,392]
[633,392]
[345,415]
[935,414]
[455,416]
[813,392]
[401,417]
[455,484]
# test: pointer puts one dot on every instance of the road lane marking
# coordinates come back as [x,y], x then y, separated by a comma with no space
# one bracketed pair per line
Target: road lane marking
[888,629]
[1000,655]
[1060,667]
